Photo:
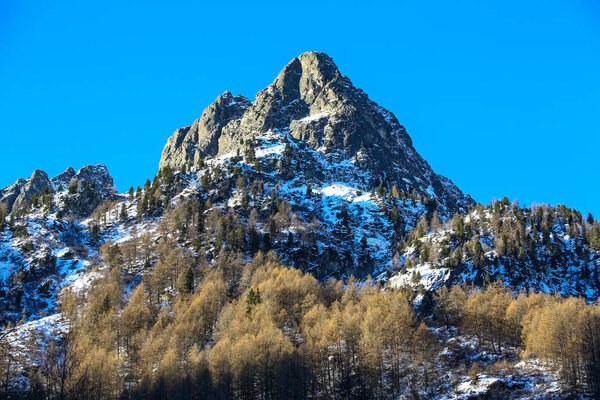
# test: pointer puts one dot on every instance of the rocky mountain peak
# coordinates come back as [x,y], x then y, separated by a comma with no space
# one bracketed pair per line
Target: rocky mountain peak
[88,188]
[19,193]
[38,181]
[305,76]
[311,103]
[96,175]
[63,179]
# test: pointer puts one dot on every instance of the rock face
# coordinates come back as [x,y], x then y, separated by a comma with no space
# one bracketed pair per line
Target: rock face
[62,180]
[92,184]
[96,176]
[9,194]
[315,104]
[19,193]
[35,184]
[201,139]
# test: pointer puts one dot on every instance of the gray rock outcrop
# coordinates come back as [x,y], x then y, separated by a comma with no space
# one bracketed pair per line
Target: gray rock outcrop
[9,194]
[92,184]
[201,139]
[19,193]
[96,176]
[62,180]
[35,184]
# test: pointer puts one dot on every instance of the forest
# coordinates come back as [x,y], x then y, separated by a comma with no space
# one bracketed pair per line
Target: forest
[203,307]
[273,332]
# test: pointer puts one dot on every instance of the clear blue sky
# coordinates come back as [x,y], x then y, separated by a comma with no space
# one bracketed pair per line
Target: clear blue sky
[501,97]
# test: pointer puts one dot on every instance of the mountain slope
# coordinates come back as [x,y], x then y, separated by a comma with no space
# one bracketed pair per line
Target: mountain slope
[542,248]
[190,272]
[48,242]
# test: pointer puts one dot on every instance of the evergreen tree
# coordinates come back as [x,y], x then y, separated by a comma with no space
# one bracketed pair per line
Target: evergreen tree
[251,155]
[252,300]
[123,214]
[105,305]
[188,281]
[267,243]
[95,233]
[253,240]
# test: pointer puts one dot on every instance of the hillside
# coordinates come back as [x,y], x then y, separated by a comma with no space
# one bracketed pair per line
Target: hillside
[301,235]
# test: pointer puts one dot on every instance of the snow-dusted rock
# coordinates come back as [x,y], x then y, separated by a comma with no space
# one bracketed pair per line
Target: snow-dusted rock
[315,104]
[62,180]
[19,193]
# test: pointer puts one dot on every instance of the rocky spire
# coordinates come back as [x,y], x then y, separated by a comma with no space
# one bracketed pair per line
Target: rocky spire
[96,175]
[62,180]
[314,103]
[305,77]
[34,185]
[9,194]
[202,137]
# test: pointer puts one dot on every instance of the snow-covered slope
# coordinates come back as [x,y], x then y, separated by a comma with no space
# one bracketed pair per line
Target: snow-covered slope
[540,248]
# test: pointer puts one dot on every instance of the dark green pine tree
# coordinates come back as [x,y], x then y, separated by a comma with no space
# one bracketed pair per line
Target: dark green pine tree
[245,201]
[253,240]
[252,300]
[478,249]
[123,214]
[142,206]
[188,281]
[595,236]
[267,243]
[104,306]
[95,233]
[343,226]
[251,156]
[364,257]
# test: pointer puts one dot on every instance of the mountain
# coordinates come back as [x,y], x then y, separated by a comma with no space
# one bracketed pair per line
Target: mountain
[312,105]
[315,141]
[62,181]
[18,195]
[183,284]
